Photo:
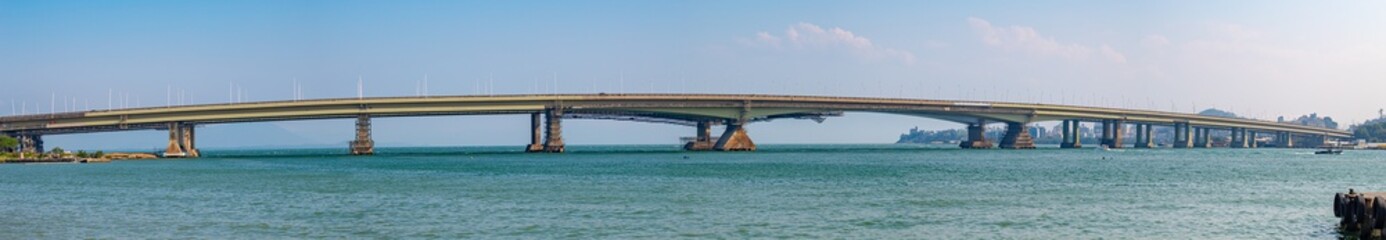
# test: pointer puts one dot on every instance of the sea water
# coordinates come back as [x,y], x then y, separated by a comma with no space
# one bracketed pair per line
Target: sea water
[659,192]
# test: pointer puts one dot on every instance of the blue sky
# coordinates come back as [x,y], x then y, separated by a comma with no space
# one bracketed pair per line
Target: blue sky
[1264,58]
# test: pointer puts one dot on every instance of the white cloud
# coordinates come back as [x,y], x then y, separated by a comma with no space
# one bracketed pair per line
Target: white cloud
[1027,39]
[1155,41]
[807,36]
[1112,54]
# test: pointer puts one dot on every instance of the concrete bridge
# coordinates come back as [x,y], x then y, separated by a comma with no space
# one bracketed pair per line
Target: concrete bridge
[700,111]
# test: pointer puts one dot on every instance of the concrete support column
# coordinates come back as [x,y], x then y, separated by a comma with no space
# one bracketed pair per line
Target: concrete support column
[553,138]
[1143,138]
[30,143]
[1139,127]
[25,144]
[1182,138]
[536,143]
[1232,138]
[1073,136]
[38,143]
[735,139]
[1150,135]
[703,141]
[1238,138]
[1017,137]
[976,136]
[1201,138]
[363,145]
[1251,139]
[1106,133]
[1114,138]
[175,141]
[1117,138]
[189,141]
[1287,140]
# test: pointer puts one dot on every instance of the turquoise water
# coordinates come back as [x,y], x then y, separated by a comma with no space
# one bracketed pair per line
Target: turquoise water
[782,191]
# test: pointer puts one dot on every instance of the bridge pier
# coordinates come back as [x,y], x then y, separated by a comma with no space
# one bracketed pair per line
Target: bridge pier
[1238,138]
[703,141]
[1073,136]
[536,132]
[180,141]
[1106,139]
[976,136]
[1201,138]
[190,140]
[1286,139]
[1143,136]
[30,143]
[363,145]
[1182,138]
[735,139]
[1017,136]
[1111,133]
[553,130]
[1251,139]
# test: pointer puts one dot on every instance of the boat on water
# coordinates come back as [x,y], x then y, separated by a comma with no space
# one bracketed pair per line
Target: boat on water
[1329,151]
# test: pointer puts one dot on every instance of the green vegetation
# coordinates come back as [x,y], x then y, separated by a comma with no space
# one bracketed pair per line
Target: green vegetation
[8,144]
[1372,131]
[82,154]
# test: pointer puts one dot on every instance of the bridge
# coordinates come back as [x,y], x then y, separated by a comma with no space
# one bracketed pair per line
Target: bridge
[699,111]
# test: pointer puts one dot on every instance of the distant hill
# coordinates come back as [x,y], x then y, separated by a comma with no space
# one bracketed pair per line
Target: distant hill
[1373,130]
[1313,119]
[1218,113]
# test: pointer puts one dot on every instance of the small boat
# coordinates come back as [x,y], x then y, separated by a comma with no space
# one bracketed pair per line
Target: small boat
[1330,150]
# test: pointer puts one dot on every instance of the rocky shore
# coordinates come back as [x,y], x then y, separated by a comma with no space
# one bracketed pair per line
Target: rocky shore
[103,159]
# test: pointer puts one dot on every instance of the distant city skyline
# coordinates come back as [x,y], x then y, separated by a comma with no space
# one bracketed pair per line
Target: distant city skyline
[1261,59]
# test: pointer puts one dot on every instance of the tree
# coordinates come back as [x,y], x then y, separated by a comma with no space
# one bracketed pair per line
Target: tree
[1373,132]
[8,144]
[81,153]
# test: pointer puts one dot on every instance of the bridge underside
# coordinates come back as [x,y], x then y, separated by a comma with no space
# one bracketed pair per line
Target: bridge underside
[702,112]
